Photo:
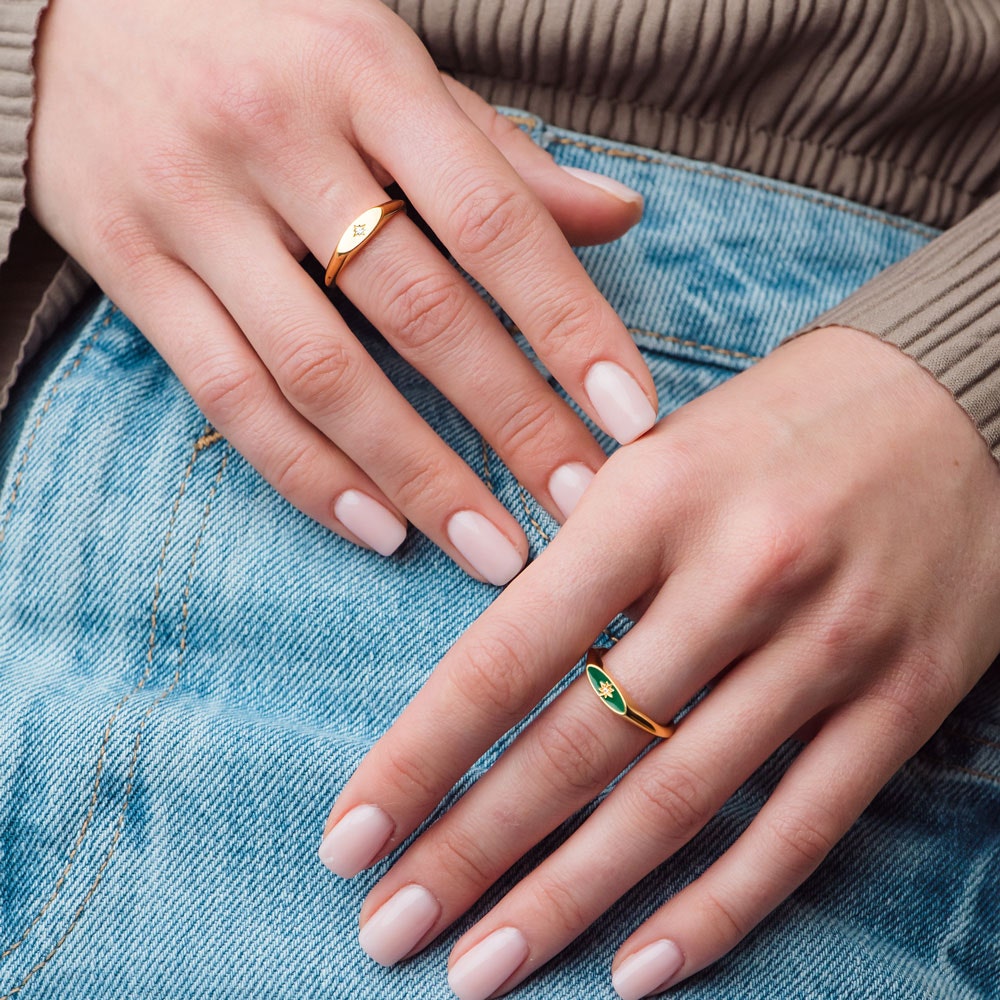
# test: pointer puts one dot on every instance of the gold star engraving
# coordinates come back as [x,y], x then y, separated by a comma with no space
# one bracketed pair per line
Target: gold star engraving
[359,229]
[606,689]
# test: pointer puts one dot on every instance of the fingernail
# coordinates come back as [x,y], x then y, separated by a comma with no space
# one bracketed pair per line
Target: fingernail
[394,929]
[606,183]
[649,970]
[370,521]
[483,970]
[355,842]
[567,484]
[622,406]
[485,546]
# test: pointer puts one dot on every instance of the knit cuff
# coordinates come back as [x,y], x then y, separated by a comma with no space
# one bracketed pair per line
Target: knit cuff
[19,21]
[941,306]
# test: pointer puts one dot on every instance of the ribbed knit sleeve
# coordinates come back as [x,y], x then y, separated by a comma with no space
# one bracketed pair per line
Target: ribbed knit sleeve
[941,305]
[18,25]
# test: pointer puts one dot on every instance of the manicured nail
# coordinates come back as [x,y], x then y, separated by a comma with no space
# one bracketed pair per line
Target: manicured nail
[370,521]
[567,485]
[622,406]
[482,971]
[485,546]
[606,183]
[650,970]
[355,842]
[396,927]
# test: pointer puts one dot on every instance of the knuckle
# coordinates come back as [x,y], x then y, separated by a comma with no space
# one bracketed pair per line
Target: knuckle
[799,841]
[412,777]
[571,324]
[495,675]
[779,551]
[573,756]
[468,860]
[125,238]
[227,392]
[491,220]
[295,470]
[562,909]
[529,425]
[246,102]
[423,309]
[722,914]
[318,374]
[421,481]
[672,799]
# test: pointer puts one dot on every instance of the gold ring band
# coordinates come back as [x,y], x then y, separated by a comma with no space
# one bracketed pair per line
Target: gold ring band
[358,233]
[611,694]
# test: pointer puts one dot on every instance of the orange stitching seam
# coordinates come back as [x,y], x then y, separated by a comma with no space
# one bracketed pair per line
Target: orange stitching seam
[748,181]
[199,446]
[112,719]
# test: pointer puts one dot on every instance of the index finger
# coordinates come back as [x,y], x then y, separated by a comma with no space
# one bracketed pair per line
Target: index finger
[490,679]
[501,233]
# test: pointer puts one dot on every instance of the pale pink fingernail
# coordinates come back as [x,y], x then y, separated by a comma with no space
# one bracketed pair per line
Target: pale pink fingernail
[621,405]
[567,484]
[605,183]
[485,546]
[370,521]
[483,970]
[396,927]
[650,970]
[355,842]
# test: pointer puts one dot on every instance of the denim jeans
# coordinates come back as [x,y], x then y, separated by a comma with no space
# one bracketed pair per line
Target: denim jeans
[176,643]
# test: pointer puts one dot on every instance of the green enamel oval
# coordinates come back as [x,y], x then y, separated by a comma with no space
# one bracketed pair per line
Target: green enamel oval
[597,677]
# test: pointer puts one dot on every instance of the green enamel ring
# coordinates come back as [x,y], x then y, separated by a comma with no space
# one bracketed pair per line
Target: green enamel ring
[611,694]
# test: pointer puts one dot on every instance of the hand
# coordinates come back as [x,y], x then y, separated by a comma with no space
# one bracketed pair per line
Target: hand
[814,540]
[188,154]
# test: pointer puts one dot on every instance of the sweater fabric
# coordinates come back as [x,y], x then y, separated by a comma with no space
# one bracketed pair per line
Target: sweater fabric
[894,104]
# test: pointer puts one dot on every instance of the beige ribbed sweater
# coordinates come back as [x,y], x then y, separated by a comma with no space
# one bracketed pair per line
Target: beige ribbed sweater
[892,103]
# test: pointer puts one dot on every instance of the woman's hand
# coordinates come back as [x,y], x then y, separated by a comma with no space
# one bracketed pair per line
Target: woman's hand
[816,541]
[188,154]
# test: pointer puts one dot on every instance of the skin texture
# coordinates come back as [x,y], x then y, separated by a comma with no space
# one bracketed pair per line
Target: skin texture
[190,154]
[816,540]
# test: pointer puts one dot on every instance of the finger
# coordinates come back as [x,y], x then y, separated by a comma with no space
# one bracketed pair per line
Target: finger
[588,207]
[493,676]
[240,399]
[663,801]
[559,763]
[330,379]
[431,315]
[499,231]
[822,794]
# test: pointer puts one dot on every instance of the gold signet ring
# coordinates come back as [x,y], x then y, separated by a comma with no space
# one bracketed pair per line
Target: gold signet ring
[358,233]
[611,694]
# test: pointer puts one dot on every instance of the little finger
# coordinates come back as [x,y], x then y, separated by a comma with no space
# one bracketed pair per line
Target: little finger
[820,797]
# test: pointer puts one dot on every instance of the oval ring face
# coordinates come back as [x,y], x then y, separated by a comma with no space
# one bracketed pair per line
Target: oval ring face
[359,230]
[606,689]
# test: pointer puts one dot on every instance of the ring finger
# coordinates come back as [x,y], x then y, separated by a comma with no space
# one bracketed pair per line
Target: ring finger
[328,377]
[431,315]
[561,761]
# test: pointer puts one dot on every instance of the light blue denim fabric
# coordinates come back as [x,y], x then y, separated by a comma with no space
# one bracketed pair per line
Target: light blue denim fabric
[190,669]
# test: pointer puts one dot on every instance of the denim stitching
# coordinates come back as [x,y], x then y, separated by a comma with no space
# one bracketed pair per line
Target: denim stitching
[207,439]
[531,517]
[46,406]
[681,342]
[717,172]
[956,767]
